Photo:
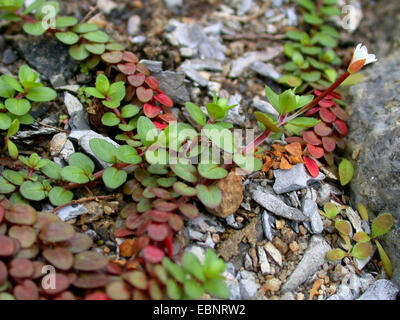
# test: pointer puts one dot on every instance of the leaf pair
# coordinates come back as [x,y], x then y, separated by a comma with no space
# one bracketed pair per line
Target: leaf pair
[112,94]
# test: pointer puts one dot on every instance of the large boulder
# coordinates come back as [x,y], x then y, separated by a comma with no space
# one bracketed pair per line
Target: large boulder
[375,134]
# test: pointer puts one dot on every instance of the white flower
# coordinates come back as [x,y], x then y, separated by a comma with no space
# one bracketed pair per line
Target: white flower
[361,57]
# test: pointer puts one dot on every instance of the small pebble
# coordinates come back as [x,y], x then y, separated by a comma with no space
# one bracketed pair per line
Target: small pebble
[300,296]
[215,237]
[273,284]
[280,224]
[280,245]
[293,246]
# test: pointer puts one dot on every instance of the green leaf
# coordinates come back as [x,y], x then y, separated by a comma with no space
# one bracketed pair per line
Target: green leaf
[362,250]
[110,119]
[346,171]
[193,289]
[387,265]
[114,46]
[343,226]
[104,150]
[34,29]
[59,196]
[298,59]
[33,6]
[353,79]
[217,288]
[210,196]
[192,265]
[12,149]
[173,290]
[47,11]
[26,74]
[175,270]
[362,210]
[335,254]
[6,91]
[268,121]
[78,52]
[129,127]
[290,80]
[222,138]
[114,178]
[64,22]
[187,172]
[68,37]
[331,74]
[212,171]
[324,39]
[147,130]
[312,19]
[215,111]
[330,11]
[52,170]
[196,113]
[361,237]
[307,4]
[41,94]
[82,161]
[273,99]
[213,266]
[306,122]
[5,186]
[33,191]
[166,182]
[381,224]
[14,177]
[296,35]
[247,163]
[14,128]
[128,154]
[85,27]
[74,174]
[158,156]
[311,76]
[18,107]
[94,93]
[16,197]
[129,111]
[96,36]
[116,93]
[5,121]
[331,210]
[95,48]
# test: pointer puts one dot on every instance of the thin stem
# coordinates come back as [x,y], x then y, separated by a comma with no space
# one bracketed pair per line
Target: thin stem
[94,198]
[254,144]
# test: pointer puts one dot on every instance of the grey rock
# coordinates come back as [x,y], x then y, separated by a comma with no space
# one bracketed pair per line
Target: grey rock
[366,281]
[196,235]
[236,115]
[275,205]
[231,221]
[381,290]
[233,285]
[240,64]
[248,285]
[375,129]
[187,52]
[92,234]
[173,84]
[9,57]
[265,107]
[61,146]
[49,57]
[274,253]
[313,259]
[292,16]
[206,223]
[31,135]
[153,65]
[324,193]
[196,77]
[198,251]
[343,293]
[263,261]
[266,70]
[106,5]
[287,296]
[78,115]
[133,27]
[72,211]
[203,64]
[248,262]
[310,208]
[293,179]
[354,218]
[210,48]
[83,138]
[244,7]
[267,226]
[138,39]
[173,4]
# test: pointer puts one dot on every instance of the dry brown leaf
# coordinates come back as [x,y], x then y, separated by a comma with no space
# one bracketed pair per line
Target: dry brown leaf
[267,164]
[294,149]
[296,159]
[279,148]
[285,165]
[126,248]
[317,284]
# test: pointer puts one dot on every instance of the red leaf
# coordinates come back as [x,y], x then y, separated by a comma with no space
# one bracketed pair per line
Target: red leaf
[152,82]
[159,216]
[329,143]
[160,126]
[328,156]
[322,129]
[168,245]
[153,254]
[151,111]
[311,167]
[294,139]
[326,103]
[312,111]
[130,57]
[1,214]
[164,100]
[143,94]
[127,68]
[176,222]
[123,232]
[340,113]
[157,232]
[143,69]
[311,138]
[137,79]
[341,127]
[327,115]
[97,296]
[168,117]
[316,152]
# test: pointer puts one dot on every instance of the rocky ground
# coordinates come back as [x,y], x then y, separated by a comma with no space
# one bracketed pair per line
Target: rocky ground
[276,243]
